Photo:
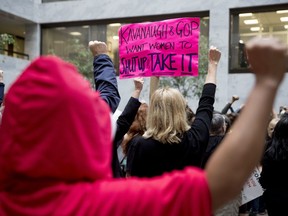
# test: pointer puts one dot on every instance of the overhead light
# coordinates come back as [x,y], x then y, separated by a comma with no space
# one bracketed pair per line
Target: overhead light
[75,33]
[286,26]
[281,11]
[85,26]
[115,24]
[245,14]
[115,37]
[241,41]
[284,19]
[251,21]
[255,28]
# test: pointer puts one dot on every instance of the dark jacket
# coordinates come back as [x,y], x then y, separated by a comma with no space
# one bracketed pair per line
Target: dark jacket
[214,142]
[105,80]
[124,122]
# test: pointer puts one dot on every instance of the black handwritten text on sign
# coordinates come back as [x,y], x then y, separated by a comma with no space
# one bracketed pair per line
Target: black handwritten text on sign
[164,48]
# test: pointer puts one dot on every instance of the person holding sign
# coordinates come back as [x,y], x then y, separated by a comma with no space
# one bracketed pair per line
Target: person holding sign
[168,133]
[275,163]
[56,159]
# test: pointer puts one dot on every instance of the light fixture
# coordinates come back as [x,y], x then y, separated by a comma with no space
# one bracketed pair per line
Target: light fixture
[281,11]
[115,37]
[284,19]
[286,26]
[254,28]
[61,28]
[241,41]
[115,24]
[251,21]
[75,33]
[245,14]
[85,26]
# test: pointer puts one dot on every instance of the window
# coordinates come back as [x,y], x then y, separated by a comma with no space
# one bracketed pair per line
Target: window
[248,24]
[71,42]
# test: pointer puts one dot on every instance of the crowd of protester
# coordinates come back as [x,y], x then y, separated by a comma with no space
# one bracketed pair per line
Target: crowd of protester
[62,154]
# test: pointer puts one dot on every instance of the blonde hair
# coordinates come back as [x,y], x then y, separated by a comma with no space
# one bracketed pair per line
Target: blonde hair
[166,119]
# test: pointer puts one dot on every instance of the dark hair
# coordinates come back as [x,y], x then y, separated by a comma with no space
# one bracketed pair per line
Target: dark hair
[217,124]
[278,146]
[190,115]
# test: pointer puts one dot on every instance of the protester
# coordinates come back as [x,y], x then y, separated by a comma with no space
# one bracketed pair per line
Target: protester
[169,142]
[124,123]
[275,162]
[56,160]
[216,134]
[138,127]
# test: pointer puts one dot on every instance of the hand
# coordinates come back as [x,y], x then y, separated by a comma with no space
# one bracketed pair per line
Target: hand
[214,55]
[138,83]
[267,59]
[234,98]
[1,76]
[98,47]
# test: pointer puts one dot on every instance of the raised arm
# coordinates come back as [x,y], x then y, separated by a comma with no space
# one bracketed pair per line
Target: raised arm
[228,106]
[128,115]
[233,161]
[104,74]
[204,112]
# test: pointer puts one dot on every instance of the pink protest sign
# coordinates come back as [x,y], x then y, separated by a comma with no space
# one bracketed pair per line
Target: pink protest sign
[164,48]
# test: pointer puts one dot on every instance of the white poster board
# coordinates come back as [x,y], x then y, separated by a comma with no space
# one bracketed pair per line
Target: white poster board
[252,188]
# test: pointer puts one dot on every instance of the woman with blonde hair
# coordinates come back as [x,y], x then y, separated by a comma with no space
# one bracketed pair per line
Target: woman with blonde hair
[169,142]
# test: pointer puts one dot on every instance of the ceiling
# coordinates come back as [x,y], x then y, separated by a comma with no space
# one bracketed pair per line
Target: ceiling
[12,24]
[266,20]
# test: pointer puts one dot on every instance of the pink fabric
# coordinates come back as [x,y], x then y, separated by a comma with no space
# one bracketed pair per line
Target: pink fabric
[55,155]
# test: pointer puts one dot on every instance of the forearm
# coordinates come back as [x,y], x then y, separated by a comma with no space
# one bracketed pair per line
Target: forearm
[240,152]
[136,94]
[211,75]
[226,108]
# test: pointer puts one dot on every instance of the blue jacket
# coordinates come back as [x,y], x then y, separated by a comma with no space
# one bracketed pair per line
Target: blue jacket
[2,86]
[105,80]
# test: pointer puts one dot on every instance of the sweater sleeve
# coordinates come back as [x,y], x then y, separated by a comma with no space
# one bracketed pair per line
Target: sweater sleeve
[177,193]
[126,118]
[204,113]
[105,80]
[226,108]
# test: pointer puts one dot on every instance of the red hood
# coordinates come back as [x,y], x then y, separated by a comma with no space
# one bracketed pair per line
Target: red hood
[54,127]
